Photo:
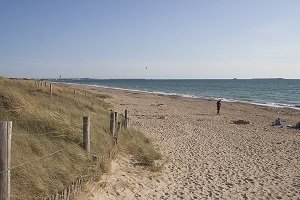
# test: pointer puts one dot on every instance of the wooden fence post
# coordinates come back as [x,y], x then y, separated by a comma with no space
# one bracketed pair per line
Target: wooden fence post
[126,119]
[5,150]
[112,123]
[74,93]
[116,120]
[50,93]
[86,134]
[119,125]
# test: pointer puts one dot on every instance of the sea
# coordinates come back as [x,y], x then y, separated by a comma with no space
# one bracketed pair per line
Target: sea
[267,92]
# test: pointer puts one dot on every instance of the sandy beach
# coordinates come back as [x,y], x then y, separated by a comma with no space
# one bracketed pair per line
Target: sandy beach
[206,155]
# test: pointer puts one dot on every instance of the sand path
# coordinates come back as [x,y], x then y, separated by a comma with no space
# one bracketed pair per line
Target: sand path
[208,156]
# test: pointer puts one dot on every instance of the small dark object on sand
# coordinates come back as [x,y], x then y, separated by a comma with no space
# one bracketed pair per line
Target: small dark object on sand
[277,122]
[240,121]
[161,117]
[297,126]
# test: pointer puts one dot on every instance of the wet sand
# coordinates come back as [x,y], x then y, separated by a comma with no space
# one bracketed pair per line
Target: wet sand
[207,156]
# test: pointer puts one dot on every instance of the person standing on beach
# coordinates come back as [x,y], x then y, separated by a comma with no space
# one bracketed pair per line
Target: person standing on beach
[218,106]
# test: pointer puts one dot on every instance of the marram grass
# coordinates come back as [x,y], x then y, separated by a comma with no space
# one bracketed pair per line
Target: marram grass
[47,152]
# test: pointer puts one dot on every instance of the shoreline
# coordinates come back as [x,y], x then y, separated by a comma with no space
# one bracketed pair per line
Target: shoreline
[270,105]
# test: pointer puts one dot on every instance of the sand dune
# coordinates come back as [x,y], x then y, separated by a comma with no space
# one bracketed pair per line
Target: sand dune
[207,156]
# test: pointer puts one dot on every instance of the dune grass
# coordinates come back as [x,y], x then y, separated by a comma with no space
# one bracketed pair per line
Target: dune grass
[133,142]
[47,152]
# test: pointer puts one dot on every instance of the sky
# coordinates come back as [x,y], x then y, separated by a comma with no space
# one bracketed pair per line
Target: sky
[153,39]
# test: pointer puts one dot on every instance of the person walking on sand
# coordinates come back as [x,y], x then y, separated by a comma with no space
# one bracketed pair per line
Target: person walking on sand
[218,106]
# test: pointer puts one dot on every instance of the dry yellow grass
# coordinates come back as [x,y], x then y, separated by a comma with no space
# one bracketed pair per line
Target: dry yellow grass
[43,126]
[135,143]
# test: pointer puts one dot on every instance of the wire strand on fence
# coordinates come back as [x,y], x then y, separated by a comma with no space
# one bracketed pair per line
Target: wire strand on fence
[52,136]
[41,158]
[43,139]
[39,134]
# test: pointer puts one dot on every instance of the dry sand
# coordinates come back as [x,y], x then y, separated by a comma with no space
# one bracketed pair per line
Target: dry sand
[208,157]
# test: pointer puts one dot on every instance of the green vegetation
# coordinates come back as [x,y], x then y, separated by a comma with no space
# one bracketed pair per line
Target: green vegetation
[47,136]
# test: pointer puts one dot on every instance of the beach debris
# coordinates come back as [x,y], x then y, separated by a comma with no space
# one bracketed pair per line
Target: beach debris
[161,117]
[241,122]
[278,123]
[297,126]
[159,104]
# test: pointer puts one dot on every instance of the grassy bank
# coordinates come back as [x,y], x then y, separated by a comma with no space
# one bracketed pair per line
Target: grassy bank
[47,135]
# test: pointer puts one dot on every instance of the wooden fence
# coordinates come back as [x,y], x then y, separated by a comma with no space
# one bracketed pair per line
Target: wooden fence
[71,190]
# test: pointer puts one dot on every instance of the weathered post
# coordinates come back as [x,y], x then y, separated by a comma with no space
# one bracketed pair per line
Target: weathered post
[5,148]
[69,192]
[45,84]
[74,93]
[126,119]
[86,134]
[50,93]
[116,119]
[112,123]
[119,125]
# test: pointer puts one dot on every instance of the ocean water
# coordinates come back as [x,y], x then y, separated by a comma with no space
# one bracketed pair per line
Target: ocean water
[269,92]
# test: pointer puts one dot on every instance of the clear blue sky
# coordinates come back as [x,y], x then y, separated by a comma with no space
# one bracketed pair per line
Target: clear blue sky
[173,38]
